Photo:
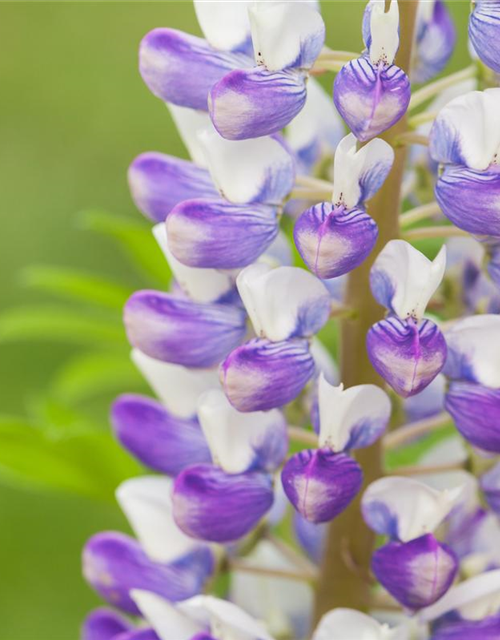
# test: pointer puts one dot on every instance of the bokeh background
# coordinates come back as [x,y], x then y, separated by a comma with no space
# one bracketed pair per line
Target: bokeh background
[74,113]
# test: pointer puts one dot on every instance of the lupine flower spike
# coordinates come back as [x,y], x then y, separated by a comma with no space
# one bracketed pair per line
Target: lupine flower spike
[371,92]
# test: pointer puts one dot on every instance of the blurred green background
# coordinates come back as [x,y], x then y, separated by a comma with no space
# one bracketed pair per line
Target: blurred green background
[74,114]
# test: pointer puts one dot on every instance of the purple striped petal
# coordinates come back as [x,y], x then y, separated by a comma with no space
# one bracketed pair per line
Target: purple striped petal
[484,32]
[371,99]
[494,262]
[470,199]
[332,240]
[181,68]
[160,440]
[435,44]
[215,506]
[262,375]
[416,573]
[220,235]
[310,536]
[408,356]
[321,484]
[490,484]
[181,331]
[159,182]
[104,624]
[487,629]
[114,563]
[476,412]
[250,103]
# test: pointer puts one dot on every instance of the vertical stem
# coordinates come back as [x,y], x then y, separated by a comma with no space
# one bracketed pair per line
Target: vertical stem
[344,577]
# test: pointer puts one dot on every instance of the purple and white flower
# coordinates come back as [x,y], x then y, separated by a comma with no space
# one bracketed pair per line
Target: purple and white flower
[465,140]
[254,102]
[371,93]
[334,238]
[321,483]
[484,32]
[436,37]
[407,350]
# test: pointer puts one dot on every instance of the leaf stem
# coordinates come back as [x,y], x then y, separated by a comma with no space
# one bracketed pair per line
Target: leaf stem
[416,470]
[298,434]
[442,231]
[410,137]
[417,214]
[421,118]
[413,430]
[240,564]
[434,88]
[315,195]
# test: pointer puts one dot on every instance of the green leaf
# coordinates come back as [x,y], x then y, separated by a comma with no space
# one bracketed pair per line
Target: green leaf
[135,238]
[76,285]
[91,465]
[94,374]
[60,324]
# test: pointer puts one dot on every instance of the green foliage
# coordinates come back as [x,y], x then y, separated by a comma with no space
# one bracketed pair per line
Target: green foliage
[135,238]
[88,464]
[413,452]
[73,285]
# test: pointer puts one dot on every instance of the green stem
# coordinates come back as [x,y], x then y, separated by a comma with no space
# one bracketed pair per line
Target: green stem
[444,231]
[434,88]
[344,578]
[417,214]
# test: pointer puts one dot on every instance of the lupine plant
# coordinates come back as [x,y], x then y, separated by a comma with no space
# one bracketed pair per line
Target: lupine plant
[272,467]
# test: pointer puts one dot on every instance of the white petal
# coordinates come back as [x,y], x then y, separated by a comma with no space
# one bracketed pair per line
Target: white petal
[233,437]
[225,25]
[255,170]
[358,174]
[409,276]
[169,622]
[282,302]
[349,624]
[324,361]
[415,507]
[475,342]
[176,386]
[226,620]
[318,122]
[277,601]
[189,123]
[384,29]
[475,591]
[147,503]
[341,411]
[280,31]
[201,285]
[471,125]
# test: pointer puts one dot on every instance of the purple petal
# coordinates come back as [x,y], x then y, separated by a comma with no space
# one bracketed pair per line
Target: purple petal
[159,182]
[262,375]
[484,32]
[321,484]
[250,103]
[408,356]
[160,440]
[215,506]
[476,412]
[416,573]
[181,68]
[203,636]
[114,563]
[490,484]
[310,536]
[486,629]
[428,402]
[371,99]
[138,634]
[332,240]
[435,44]
[470,199]
[103,624]
[220,235]
[181,331]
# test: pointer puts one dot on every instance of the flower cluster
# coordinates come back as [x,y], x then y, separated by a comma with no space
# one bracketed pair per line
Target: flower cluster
[232,350]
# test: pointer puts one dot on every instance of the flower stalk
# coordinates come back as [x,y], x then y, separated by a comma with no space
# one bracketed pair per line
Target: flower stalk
[338,584]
